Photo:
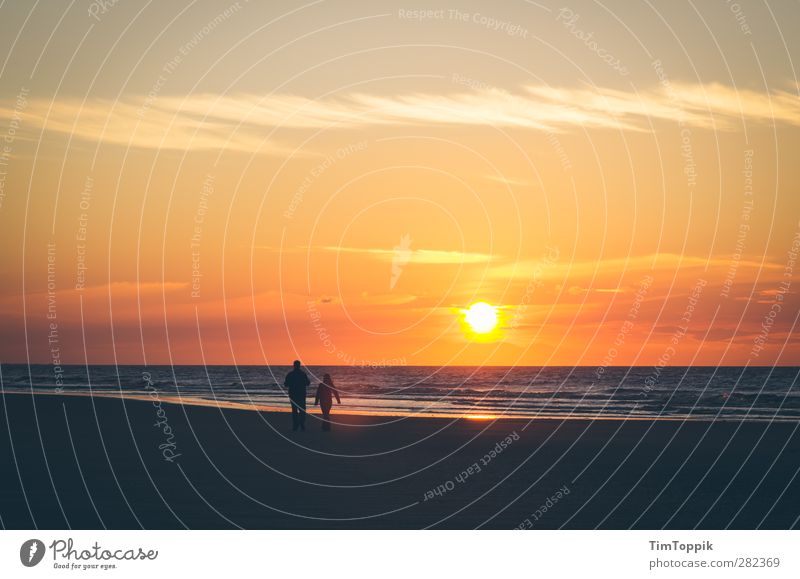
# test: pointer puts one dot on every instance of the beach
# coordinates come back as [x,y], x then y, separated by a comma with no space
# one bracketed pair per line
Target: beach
[100,462]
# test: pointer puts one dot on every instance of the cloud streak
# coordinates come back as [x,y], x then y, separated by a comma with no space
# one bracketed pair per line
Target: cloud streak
[243,121]
[418,256]
[616,266]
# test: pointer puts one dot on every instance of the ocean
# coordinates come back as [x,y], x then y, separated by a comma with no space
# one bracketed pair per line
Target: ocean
[721,393]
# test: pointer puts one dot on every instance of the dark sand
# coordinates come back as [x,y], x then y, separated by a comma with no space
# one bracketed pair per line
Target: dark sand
[85,462]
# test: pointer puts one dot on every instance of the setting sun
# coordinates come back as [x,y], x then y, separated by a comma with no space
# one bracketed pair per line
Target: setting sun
[481,317]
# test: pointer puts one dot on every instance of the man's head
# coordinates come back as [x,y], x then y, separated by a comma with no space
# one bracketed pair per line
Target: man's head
[297,364]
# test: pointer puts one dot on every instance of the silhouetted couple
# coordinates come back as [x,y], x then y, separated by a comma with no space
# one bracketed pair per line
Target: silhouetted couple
[296,383]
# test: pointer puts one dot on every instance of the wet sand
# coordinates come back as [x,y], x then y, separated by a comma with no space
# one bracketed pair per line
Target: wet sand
[82,462]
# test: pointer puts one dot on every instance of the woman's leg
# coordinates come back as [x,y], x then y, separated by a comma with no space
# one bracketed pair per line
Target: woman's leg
[326,416]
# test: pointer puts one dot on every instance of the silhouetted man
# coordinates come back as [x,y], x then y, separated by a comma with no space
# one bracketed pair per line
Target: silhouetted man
[296,383]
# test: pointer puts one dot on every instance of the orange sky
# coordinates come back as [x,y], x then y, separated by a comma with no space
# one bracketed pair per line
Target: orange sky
[264,198]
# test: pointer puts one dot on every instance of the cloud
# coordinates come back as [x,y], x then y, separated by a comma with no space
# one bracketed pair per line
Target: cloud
[616,266]
[420,256]
[578,290]
[130,122]
[778,106]
[509,181]
[243,121]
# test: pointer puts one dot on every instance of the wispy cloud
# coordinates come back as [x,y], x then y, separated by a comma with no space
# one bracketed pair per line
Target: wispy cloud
[418,256]
[509,181]
[616,266]
[243,121]
[578,290]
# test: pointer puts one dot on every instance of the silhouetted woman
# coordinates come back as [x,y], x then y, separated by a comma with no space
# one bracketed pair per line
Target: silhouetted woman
[325,393]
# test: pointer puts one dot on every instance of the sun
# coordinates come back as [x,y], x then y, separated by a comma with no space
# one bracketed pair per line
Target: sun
[481,317]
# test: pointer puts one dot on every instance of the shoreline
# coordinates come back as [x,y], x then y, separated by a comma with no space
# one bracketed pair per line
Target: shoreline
[474,416]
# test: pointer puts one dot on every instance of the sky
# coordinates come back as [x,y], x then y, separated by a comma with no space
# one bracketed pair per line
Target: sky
[250,183]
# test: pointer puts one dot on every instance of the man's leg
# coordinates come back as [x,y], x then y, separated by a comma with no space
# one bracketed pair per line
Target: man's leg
[301,412]
[295,414]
